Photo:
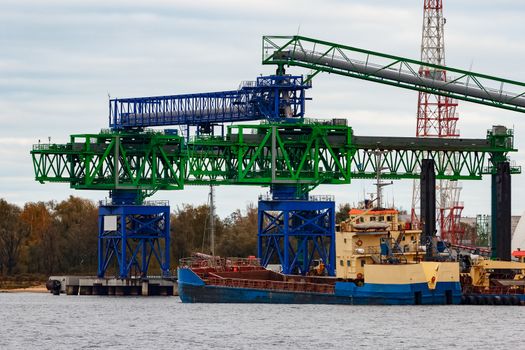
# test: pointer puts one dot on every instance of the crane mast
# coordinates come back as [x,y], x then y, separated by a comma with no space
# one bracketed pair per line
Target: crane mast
[437,117]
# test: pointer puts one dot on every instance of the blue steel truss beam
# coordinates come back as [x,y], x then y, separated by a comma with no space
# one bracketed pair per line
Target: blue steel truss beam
[274,97]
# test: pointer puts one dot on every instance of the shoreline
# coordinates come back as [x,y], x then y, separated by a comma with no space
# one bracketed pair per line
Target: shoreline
[41,288]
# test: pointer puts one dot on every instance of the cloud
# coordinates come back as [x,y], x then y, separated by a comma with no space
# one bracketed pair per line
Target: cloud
[62,58]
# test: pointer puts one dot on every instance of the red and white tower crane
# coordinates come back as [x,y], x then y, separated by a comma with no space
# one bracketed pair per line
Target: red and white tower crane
[437,117]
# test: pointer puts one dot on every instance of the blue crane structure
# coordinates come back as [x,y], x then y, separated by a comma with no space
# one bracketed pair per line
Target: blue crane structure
[126,218]
[273,97]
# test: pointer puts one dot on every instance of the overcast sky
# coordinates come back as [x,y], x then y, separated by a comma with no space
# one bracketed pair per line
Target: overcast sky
[59,60]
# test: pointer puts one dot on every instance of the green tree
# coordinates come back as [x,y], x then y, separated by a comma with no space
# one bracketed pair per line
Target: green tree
[240,234]
[13,232]
[77,233]
[40,251]
[190,231]
[342,212]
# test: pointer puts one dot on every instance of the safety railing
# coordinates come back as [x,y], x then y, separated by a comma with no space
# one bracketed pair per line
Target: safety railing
[215,262]
[156,203]
[49,147]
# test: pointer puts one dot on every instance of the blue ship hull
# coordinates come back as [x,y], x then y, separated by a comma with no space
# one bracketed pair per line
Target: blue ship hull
[192,289]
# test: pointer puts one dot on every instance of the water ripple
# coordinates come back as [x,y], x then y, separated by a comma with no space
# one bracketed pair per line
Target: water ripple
[43,321]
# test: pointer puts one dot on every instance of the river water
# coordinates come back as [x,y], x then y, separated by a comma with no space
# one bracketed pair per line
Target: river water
[43,321]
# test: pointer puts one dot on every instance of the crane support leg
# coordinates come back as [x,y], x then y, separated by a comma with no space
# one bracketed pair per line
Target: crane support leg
[501,212]
[295,231]
[428,206]
[132,234]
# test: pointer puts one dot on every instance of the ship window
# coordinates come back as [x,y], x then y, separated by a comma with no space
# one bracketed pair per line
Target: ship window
[372,218]
[348,263]
[362,262]
[389,218]
[403,237]
[362,219]
[381,218]
[345,240]
[341,263]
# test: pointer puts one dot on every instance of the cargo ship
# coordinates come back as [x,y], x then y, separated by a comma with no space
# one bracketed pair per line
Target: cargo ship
[379,261]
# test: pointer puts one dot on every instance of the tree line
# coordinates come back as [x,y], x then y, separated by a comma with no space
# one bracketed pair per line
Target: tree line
[61,237]
[53,237]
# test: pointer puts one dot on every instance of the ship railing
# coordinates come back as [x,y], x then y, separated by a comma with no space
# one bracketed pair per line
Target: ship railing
[292,286]
[368,250]
[214,262]
[375,250]
[218,263]
[250,261]
[378,258]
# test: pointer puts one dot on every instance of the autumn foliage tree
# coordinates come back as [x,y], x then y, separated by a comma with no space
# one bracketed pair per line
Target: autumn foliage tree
[76,221]
[13,232]
[236,235]
[190,231]
[39,253]
[49,237]
[240,234]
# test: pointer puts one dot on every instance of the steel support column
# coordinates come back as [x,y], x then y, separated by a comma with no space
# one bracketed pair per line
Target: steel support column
[428,206]
[130,235]
[295,232]
[501,212]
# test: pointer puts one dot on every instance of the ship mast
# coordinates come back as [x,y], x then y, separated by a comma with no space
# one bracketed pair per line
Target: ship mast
[212,221]
[379,183]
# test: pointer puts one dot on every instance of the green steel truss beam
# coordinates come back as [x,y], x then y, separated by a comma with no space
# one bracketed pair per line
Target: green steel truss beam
[323,56]
[273,154]
[304,154]
[109,161]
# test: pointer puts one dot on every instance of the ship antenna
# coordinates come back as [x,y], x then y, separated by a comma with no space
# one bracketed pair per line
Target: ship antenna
[380,184]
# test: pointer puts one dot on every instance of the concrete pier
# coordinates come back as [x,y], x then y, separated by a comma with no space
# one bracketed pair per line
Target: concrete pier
[145,288]
[86,285]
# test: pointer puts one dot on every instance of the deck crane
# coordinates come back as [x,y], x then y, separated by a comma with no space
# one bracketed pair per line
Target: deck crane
[290,154]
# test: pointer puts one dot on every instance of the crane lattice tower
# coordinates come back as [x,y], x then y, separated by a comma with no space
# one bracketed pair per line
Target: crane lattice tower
[437,117]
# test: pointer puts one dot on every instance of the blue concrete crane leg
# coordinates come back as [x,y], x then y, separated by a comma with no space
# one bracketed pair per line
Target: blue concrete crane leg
[501,213]
[131,235]
[296,233]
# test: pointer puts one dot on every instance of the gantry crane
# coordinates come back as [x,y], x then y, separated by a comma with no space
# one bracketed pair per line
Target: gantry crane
[288,153]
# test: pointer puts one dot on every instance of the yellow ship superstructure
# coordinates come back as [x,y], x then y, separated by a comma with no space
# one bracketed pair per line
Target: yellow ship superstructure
[374,236]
